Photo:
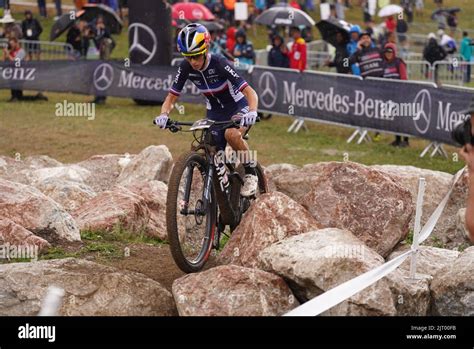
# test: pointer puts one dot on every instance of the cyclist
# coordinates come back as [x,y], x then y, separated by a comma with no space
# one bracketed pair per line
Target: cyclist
[226,93]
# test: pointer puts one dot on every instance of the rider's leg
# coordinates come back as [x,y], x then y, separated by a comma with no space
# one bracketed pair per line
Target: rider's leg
[234,136]
[235,139]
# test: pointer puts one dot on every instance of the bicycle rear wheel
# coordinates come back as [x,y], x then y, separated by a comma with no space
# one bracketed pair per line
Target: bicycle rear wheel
[190,221]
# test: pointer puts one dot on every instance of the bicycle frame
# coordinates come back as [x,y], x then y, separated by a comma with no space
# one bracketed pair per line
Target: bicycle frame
[228,213]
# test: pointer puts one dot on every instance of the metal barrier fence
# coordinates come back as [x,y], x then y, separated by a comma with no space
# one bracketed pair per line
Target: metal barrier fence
[454,72]
[44,50]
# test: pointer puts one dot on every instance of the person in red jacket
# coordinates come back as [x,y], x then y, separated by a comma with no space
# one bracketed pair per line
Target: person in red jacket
[298,50]
[395,68]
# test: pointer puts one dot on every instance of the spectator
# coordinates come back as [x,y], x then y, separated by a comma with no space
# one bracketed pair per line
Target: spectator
[467,153]
[243,50]
[279,55]
[368,57]
[78,36]
[390,24]
[367,17]
[407,6]
[44,12]
[395,68]
[420,7]
[352,47]
[31,29]
[402,29]
[230,7]
[13,52]
[103,39]
[295,4]
[452,21]
[12,29]
[447,42]
[433,53]
[298,50]
[230,43]
[466,55]
[341,58]
[260,5]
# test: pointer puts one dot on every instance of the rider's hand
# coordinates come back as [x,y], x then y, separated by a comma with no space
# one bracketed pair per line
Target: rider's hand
[248,119]
[161,120]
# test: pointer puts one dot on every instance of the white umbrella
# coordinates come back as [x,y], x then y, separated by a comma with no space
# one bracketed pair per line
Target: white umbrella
[390,10]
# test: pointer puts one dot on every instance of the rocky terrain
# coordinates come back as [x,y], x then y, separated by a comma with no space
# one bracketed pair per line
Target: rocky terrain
[99,228]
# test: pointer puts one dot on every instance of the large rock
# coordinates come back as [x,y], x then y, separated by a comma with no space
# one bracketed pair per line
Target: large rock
[411,296]
[90,290]
[447,232]
[30,208]
[113,208]
[15,235]
[437,185]
[71,195]
[154,195]
[318,261]
[153,163]
[18,169]
[271,218]
[232,291]
[275,170]
[452,288]
[138,207]
[72,173]
[106,170]
[429,259]
[354,197]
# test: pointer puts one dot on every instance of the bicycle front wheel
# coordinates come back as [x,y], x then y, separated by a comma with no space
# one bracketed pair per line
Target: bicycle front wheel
[190,216]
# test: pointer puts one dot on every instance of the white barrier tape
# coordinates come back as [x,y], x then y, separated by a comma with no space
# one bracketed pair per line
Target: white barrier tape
[431,223]
[349,288]
[346,290]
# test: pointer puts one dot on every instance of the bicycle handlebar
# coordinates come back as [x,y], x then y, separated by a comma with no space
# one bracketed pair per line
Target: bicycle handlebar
[175,126]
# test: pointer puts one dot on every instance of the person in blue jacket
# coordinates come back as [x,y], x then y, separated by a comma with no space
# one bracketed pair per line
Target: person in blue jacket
[352,47]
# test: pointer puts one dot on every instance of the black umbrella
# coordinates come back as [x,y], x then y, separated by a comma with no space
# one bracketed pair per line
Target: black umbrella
[453,9]
[111,19]
[329,29]
[285,16]
[64,23]
[439,12]
[212,26]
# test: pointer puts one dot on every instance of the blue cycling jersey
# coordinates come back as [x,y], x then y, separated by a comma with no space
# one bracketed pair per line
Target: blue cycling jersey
[219,82]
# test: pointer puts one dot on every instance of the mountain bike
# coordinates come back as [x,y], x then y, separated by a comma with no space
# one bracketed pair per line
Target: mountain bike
[204,195]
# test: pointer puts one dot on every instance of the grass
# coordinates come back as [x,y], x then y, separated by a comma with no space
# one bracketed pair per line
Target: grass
[121,126]
[102,244]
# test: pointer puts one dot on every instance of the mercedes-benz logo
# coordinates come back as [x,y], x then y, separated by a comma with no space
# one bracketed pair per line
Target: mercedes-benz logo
[140,43]
[267,86]
[423,116]
[103,76]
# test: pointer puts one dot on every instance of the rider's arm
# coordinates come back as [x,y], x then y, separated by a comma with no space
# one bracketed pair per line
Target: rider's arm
[176,88]
[169,103]
[251,97]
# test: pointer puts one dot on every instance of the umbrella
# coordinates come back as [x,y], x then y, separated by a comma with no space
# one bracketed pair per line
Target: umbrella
[111,19]
[453,9]
[63,23]
[285,16]
[193,11]
[212,26]
[390,10]
[330,27]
